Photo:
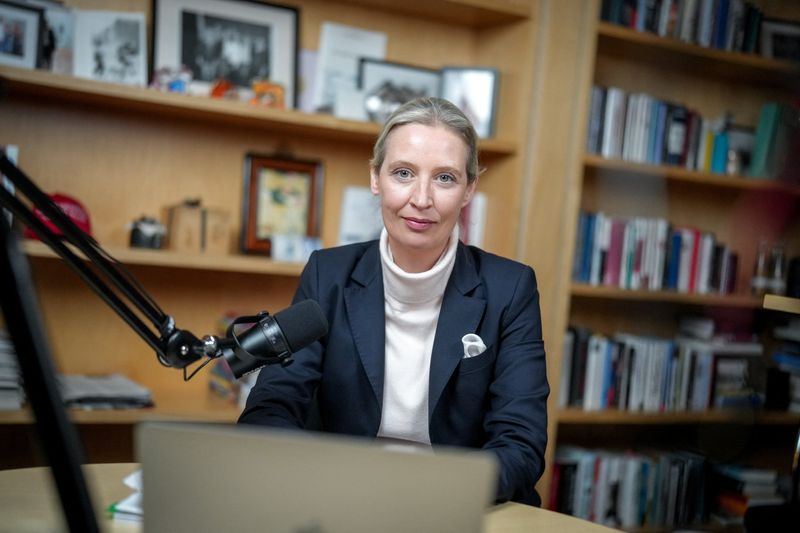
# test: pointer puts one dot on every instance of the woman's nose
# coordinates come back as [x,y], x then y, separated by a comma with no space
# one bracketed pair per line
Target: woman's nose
[421,197]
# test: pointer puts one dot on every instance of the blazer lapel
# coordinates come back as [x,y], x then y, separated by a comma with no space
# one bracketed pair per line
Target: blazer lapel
[364,302]
[460,314]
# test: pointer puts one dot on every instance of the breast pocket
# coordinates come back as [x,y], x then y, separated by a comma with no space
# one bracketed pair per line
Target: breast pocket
[478,362]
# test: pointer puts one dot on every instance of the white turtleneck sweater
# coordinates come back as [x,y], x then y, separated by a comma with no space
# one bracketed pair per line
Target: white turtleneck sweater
[411,303]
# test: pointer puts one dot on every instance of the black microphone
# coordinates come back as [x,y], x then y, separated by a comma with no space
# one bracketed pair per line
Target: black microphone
[273,338]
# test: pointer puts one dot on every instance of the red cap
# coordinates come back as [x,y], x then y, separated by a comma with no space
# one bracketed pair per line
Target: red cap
[71,207]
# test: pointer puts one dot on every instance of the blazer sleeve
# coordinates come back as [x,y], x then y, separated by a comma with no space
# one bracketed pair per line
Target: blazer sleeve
[283,396]
[517,418]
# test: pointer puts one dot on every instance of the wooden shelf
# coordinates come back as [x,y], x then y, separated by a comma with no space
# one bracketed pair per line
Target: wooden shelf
[46,85]
[472,13]
[782,303]
[710,300]
[168,259]
[598,163]
[615,417]
[614,39]
[212,410]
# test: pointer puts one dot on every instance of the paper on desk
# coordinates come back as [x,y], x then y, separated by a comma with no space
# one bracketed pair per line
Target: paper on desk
[130,508]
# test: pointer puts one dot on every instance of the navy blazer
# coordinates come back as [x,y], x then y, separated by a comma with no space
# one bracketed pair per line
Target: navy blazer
[495,401]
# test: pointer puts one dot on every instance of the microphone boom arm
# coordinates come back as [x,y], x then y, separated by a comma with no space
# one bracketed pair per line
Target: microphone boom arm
[174,347]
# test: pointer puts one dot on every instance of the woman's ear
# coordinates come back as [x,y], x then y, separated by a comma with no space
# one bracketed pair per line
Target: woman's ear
[470,192]
[374,181]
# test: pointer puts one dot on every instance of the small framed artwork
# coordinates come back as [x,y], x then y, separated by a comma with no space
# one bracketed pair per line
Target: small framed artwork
[240,41]
[20,35]
[282,202]
[780,39]
[387,85]
[110,46]
[473,91]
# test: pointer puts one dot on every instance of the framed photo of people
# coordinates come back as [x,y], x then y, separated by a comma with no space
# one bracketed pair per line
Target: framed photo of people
[110,46]
[474,91]
[240,41]
[780,39]
[281,202]
[387,85]
[20,35]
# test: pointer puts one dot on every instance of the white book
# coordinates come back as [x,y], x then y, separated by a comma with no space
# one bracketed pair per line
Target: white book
[704,262]
[613,123]
[705,22]
[627,239]
[638,376]
[701,386]
[688,21]
[628,132]
[663,17]
[660,259]
[593,380]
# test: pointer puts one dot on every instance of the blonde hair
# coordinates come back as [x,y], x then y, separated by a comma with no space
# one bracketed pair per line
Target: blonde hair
[430,111]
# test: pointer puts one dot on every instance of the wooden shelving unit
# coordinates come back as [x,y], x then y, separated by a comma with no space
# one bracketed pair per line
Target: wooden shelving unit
[710,300]
[169,259]
[124,152]
[36,84]
[596,163]
[615,417]
[674,54]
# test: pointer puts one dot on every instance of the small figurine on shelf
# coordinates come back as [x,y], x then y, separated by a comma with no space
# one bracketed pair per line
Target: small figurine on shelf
[172,80]
[146,232]
[224,89]
[268,94]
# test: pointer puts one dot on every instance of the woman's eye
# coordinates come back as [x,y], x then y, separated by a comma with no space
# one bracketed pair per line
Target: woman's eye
[446,178]
[402,173]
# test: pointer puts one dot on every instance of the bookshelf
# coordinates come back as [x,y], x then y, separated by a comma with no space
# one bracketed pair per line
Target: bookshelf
[737,209]
[125,152]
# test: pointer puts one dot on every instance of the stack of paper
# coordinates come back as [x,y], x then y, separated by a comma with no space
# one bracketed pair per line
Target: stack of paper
[11,394]
[103,392]
[130,508]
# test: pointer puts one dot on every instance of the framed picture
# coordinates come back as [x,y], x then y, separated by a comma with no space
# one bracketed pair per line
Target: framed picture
[780,39]
[473,91]
[282,200]
[57,36]
[20,35]
[110,46]
[386,85]
[237,40]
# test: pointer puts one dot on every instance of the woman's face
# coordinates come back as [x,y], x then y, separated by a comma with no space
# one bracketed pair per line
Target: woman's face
[423,185]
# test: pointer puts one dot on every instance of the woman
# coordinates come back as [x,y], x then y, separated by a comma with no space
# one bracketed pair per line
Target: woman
[395,364]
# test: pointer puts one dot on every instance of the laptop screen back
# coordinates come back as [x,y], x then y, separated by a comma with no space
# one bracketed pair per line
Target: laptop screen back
[236,478]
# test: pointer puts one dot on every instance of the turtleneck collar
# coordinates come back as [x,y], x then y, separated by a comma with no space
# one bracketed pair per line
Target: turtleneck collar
[418,287]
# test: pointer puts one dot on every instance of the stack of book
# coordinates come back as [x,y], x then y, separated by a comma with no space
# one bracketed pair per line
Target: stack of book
[648,374]
[650,254]
[12,395]
[113,391]
[732,25]
[629,490]
[787,358]
[737,488]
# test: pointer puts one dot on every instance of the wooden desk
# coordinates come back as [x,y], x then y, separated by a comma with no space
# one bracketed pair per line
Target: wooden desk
[29,503]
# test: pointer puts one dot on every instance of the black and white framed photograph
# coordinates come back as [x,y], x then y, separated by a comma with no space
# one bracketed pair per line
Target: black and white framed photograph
[57,36]
[473,91]
[110,46]
[780,39]
[20,35]
[387,85]
[240,41]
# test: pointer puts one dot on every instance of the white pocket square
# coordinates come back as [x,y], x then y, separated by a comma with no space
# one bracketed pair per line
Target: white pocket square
[473,345]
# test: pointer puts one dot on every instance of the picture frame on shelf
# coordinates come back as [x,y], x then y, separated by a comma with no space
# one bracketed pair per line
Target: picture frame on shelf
[196,33]
[282,202]
[58,31]
[21,39]
[780,39]
[387,85]
[474,91]
[110,46]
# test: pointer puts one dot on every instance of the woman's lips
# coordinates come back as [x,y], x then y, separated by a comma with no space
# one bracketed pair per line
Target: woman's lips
[418,224]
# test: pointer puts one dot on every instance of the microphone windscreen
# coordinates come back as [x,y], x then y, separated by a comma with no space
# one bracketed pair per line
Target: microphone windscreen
[302,324]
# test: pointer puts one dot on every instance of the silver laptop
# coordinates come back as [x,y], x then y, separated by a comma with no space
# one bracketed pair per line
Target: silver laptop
[242,478]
